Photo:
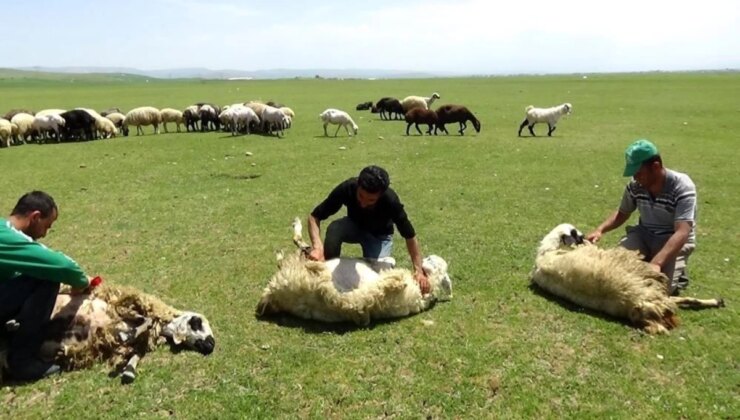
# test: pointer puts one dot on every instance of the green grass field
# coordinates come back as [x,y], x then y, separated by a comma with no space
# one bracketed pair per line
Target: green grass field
[191,218]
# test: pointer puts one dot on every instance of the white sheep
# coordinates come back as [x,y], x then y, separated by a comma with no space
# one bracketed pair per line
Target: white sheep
[547,115]
[106,128]
[349,289]
[117,119]
[615,281]
[411,102]
[145,115]
[171,115]
[24,122]
[48,123]
[6,132]
[52,111]
[289,113]
[117,325]
[274,119]
[339,118]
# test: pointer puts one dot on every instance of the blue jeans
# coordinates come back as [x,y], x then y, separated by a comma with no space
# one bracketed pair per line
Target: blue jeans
[345,230]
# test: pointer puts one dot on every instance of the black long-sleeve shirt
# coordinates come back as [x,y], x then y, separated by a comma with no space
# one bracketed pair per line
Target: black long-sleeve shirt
[378,219]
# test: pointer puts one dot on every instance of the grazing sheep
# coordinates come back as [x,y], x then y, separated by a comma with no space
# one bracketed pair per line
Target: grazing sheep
[256,106]
[364,106]
[191,117]
[418,116]
[274,119]
[78,122]
[52,111]
[339,118]
[102,128]
[48,123]
[118,325]
[106,128]
[274,104]
[117,119]
[209,117]
[171,115]
[349,289]
[6,132]
[10,114]
[390,105]
[145,115]
[615,281]
[24,122]
[410,102]
[455,114]
[110,111]
[548,115]
[289,113]
[238,118]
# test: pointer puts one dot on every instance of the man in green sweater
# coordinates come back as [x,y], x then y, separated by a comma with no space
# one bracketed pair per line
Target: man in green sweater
[30,274]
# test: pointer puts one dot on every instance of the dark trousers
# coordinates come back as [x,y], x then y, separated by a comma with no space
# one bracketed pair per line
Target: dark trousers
[29,301]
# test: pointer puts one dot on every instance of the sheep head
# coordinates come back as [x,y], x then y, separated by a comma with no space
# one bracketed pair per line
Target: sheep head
[564,236]
[436,270]
[192,330]
[568,107]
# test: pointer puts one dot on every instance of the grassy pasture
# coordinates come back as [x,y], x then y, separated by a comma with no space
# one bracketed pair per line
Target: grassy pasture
[191,218]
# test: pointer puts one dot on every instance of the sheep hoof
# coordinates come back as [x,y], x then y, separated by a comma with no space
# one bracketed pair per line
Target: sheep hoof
[128,377]
[720,303]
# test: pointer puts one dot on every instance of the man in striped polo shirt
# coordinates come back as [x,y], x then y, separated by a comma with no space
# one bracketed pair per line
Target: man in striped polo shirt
[666,202]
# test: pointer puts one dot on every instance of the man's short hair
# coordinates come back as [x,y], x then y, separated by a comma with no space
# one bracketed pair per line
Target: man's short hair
[33,201]
[374,179]
[650,161]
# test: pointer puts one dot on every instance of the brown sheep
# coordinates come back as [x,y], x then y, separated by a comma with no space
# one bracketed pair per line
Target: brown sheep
[418,116]
[455,114]
[10,114]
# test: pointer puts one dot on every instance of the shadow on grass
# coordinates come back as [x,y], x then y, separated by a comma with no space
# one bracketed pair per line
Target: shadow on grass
[236,176]
[575,307]
[311,326]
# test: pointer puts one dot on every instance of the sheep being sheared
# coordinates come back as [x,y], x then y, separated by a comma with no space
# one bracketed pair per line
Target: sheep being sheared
[118,325]
[616,281]
[350,289]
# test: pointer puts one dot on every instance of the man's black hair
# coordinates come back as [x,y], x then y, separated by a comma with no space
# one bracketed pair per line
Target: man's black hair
[33,201]
[373,179]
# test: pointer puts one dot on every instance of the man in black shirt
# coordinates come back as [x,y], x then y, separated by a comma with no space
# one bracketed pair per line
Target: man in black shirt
[372,210]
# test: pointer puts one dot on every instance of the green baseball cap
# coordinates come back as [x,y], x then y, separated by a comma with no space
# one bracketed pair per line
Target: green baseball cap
[637,153]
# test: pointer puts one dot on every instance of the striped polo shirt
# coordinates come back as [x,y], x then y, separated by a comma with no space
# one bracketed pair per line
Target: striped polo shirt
[677,202]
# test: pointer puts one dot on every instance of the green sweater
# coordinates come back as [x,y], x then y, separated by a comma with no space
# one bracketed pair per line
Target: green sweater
[19,254]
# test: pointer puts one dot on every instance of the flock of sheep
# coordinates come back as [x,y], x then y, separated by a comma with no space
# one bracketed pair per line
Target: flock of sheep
[20,126]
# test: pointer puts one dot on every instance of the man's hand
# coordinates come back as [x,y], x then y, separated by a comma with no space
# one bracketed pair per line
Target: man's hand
[655,267]
[423,281]
[594,236]
[316,254]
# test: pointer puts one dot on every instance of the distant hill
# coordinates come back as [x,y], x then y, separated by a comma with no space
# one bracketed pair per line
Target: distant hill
[56,76]
[204,73]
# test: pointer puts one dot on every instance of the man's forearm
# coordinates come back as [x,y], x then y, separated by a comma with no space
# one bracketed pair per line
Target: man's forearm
[314,232]
[414,252]
[671,248]
[614,221]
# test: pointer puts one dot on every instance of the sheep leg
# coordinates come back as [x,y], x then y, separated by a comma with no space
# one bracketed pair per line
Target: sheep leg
[429,133]
[165,128]
[129,371]
[417,128]
[551,128]
[531,130]
[325,133]
[524,124]
[694,303]
[337,132]
[407,128]
[346,127]
[463,126]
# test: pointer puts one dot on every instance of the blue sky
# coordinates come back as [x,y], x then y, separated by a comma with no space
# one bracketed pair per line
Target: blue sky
[467,36]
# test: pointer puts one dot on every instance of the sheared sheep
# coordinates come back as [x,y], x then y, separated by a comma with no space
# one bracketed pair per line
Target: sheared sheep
[455,114]
[274,119]
[171,115]
[418,116]
[349,289]
[615,281]
[51,111]
[548,115]
[145,115]
[118,325]
[48,123]
[410,102]
[339,118]
[191,117]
